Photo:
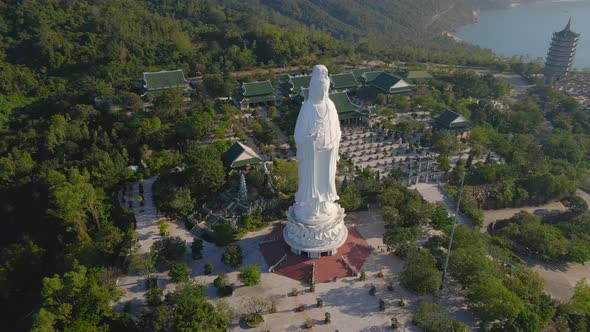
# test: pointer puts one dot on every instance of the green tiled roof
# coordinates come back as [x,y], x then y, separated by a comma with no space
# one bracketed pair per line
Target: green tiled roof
[389,83]
[345,108]
[371,75]
[343,81]
[358,73]
[258,99]
[282,78]
[239,155]
[452,120]
[164,79]
[252,89]
[299,82]
[418,75]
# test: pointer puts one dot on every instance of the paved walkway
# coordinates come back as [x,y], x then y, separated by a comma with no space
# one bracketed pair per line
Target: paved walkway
[347,299]
[432,193]
[146,216]
[148,232]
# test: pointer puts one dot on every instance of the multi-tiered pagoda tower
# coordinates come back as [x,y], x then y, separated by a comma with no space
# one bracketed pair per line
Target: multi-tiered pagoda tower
[561,54]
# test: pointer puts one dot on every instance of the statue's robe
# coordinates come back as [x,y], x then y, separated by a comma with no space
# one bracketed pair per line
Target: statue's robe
[317,135]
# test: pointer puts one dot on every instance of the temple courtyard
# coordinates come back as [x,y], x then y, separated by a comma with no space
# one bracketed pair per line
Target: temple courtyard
[347,298]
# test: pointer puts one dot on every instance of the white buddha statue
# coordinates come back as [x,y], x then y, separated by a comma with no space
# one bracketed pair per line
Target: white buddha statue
[317,134]
[316,221]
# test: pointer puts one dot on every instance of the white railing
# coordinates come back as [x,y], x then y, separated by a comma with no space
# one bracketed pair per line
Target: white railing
[272,268]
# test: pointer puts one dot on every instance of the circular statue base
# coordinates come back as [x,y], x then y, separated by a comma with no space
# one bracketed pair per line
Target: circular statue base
[315,240]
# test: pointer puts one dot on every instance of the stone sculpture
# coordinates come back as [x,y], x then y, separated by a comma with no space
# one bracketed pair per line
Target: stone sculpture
[316,221]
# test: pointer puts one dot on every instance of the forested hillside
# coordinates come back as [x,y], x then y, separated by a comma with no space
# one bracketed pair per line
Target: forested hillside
[62,160]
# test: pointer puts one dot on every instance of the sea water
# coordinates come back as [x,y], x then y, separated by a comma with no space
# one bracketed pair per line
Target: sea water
[526,30]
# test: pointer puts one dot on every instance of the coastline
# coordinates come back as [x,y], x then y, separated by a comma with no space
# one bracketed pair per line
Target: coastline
[450,33]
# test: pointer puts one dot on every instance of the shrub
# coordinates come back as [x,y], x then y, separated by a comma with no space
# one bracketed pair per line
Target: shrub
[168,249]
[309,323]
[208,268]
[223,289]
[390,286]
[153,297]
[197,249]
[300,308]
[363,276]
[294,292]
[319,302]
[420,275]
[223,234]
[220,281]
[312,288]
[373,290]
[253,320]
[179,272]
[394,323]
[163,226]
[250,275]
[381,305]
[232,255]
[327,318]
[433,317]
[381,274]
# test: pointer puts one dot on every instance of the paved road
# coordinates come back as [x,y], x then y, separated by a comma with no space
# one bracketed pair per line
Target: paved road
[559,280]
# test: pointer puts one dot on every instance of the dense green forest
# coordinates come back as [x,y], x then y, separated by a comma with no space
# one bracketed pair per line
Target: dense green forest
[63,160]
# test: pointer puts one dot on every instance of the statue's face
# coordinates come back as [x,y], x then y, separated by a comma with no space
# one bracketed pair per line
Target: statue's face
[320,83]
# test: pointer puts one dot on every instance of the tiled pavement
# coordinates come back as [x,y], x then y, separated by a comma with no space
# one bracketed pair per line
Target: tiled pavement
[327,267]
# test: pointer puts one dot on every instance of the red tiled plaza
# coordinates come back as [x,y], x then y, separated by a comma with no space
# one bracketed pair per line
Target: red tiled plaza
[298,267]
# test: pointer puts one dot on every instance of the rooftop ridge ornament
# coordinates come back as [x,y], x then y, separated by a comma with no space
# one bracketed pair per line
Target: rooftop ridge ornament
[316,221]
[569,25]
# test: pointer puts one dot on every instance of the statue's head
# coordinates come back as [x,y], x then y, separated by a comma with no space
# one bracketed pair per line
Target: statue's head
[319,86]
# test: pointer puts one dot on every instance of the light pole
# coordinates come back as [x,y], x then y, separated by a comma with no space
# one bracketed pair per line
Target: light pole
[453,229]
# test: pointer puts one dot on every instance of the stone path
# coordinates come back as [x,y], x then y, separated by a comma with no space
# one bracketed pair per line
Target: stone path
[147,216]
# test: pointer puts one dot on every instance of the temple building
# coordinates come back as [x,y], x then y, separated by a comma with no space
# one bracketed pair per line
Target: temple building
[368,76]
[388,84]
[239,155]
[454,122]
[348,113]
[298,83]
[344,83]
[358,73]
[255,94]
[561,54]
[155,82]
